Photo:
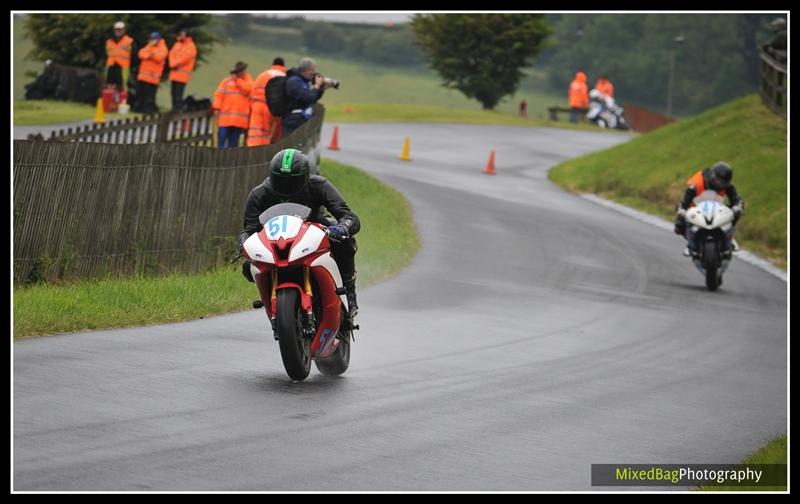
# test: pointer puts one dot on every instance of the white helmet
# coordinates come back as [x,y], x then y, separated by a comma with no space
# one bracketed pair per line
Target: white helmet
[119,25]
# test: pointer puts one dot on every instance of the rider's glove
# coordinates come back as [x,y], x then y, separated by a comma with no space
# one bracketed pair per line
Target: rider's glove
[242,238]
[338,232]
[737,210]
[680,222]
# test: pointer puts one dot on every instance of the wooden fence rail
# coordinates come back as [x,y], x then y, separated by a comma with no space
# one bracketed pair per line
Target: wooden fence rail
[773,83]
[99,209]
[194,128]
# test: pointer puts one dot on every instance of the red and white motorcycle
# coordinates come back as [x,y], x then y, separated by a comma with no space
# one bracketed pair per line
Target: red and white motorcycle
[301,290]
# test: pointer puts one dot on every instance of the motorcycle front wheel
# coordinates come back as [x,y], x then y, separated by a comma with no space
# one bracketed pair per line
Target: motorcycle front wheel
[711,265]
[295,349]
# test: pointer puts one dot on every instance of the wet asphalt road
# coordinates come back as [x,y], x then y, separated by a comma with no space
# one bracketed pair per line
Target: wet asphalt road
[535,333]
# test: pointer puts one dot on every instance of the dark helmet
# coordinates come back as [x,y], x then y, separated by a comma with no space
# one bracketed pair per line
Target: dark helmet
[288,172]
[721,176]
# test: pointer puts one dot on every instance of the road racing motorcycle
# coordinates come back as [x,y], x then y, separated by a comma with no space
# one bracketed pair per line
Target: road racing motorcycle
[709,231]
[301,290]
[604,111]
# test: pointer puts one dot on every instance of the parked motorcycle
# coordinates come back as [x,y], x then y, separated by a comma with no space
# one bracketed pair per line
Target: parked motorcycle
[709,231]
[604,111]
[301,290]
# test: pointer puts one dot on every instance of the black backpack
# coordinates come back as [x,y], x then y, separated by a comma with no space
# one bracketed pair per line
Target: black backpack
[277,98]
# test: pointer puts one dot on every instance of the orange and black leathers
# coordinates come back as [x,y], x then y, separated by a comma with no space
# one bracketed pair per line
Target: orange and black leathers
[696,185]
[700,182]
[605,87]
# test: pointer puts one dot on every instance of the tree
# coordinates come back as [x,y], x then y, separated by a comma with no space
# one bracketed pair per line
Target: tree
[481,55]
[716,62]
[80,39]
[238,25]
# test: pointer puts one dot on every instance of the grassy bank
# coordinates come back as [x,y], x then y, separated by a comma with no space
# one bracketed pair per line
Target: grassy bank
[362,83]
[650,172]
[387,242]
[775,452]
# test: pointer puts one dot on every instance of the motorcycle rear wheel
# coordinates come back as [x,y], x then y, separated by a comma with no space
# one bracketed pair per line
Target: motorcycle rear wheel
[295,349]
[337,363]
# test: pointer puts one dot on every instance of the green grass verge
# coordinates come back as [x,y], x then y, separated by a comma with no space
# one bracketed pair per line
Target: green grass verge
[396,112]
[36,112]
[387,242]
[775,452]
[650,172]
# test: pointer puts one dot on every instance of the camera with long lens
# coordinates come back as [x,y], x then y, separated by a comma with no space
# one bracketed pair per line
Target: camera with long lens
[330,82]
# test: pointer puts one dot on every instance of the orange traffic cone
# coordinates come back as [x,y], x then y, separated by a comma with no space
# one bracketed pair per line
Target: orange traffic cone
[404,154]
[335,140]
[489,170]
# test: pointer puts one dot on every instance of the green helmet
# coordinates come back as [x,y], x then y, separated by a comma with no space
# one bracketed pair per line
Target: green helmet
[288,172]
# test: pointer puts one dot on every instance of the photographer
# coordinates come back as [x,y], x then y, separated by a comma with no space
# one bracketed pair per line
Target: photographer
[304,87]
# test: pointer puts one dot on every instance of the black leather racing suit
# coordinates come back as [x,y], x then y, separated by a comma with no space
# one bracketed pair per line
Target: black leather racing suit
[318,194]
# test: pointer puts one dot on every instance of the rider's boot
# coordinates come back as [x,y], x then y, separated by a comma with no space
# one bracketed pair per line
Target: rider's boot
[350,285]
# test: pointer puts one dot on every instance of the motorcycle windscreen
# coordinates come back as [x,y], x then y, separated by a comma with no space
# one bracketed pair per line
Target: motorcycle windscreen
[708,195]
[295,209]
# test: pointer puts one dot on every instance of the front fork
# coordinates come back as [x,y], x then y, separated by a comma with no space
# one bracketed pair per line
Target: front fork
[308,322]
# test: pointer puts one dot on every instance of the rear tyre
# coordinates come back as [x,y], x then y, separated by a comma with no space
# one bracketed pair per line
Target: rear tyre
[337,363]
[711,265]
[295,349]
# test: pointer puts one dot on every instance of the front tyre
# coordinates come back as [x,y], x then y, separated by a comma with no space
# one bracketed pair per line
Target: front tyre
[295,349]
[711,265]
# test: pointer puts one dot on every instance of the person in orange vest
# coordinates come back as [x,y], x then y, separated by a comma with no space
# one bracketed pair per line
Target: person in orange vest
[578,96]
[232,106]
[151,68]
[264,128]
[182,58]
[119,49]
[604,86]
[715,178]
